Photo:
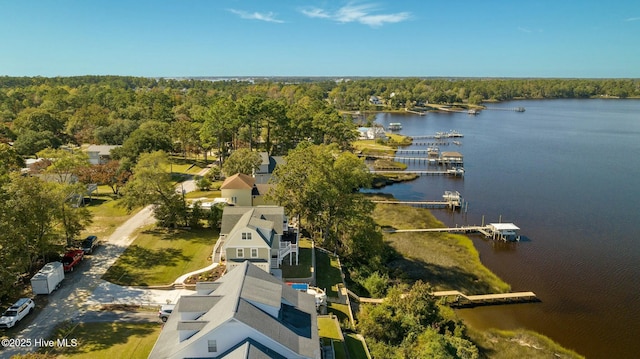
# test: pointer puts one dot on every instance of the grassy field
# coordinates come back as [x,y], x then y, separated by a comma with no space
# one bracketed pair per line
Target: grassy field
[370,147]
[111,340]
[158,257]
[328,331]
[446,261]
[107,215]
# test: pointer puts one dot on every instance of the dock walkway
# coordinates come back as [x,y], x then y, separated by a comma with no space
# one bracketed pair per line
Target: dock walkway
[421,173]
[500,231]
[425,204]
[457,299]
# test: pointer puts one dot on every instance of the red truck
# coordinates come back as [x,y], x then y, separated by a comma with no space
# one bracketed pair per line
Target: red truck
[71,259]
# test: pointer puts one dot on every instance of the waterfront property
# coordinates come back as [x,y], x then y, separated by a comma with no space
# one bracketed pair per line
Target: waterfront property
[261,235]
[247,313]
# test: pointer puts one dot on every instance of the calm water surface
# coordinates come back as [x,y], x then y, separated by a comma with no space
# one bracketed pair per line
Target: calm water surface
[567,173]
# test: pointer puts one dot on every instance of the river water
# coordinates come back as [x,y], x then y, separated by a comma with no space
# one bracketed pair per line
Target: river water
[567,172]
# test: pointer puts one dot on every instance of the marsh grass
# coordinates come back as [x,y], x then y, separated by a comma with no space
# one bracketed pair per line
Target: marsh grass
[446,261]
[500,344]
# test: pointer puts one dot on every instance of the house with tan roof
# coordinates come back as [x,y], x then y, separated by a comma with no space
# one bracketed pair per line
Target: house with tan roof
[242,190]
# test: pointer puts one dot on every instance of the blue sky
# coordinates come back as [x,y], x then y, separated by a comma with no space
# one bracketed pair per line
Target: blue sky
[510,38]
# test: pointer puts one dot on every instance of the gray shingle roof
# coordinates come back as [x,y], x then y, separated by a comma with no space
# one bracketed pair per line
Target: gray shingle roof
[245,294]
[232,214]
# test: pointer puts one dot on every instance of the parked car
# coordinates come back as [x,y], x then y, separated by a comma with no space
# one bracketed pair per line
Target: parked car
[89,244]
[165,311]
[71,259]
[16,312]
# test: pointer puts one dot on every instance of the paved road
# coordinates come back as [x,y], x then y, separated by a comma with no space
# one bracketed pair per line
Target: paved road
[73,300]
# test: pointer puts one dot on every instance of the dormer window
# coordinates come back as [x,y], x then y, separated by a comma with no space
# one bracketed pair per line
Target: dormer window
[246,235]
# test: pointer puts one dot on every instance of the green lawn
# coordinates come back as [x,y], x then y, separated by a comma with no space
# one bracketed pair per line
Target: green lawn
[328,274]
[355,347]
[111,340]
[303,269]
[107,215]
[158,256]
[203,194]
[329,331]
[339,310]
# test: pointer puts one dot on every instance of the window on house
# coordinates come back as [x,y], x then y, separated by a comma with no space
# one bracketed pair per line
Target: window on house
[213,346]
[240,252]
[254,252]
[246,235]
[234,199]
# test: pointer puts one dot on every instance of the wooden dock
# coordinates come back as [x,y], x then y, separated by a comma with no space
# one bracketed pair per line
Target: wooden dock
[440,143]
[457,299]
[496,231]
[516,109]
[420,173]
[424,204]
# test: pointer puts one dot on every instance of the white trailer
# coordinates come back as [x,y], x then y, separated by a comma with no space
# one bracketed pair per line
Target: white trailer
[48,278]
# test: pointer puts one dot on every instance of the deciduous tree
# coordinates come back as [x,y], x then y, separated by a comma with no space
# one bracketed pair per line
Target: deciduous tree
[242,161]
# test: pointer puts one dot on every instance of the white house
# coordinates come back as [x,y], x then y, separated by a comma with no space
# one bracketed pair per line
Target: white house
[245,314]
[375,100]
[99,154]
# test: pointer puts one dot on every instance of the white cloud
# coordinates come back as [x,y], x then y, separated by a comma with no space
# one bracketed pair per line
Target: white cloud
[268,17]
[523,29]
[632,19]
[317,13]
[363,14]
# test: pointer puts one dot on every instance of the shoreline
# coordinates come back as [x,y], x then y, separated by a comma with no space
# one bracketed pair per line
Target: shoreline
[459,268]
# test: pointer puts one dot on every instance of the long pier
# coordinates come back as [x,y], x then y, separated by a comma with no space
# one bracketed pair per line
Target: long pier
[516,109]
[458,299]
[430,143]
[422,173]
[424,204]
[500,231]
